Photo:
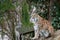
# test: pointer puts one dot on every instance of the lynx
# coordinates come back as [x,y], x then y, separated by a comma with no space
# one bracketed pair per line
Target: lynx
[41,25]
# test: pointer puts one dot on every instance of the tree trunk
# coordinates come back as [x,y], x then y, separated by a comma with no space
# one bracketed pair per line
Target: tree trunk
[50,9]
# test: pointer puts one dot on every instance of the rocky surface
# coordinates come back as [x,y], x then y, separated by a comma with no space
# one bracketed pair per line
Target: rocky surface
[56,36]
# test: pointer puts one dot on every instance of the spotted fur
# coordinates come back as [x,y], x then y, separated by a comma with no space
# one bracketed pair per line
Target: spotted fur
[42,24]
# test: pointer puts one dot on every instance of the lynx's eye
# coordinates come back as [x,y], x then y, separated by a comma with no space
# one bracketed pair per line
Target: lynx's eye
[37,19]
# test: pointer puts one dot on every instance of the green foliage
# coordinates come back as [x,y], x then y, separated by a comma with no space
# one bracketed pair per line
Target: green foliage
[25,14]
[6,5]
[56,15]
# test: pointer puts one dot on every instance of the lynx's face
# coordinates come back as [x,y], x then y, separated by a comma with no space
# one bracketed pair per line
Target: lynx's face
[33,18]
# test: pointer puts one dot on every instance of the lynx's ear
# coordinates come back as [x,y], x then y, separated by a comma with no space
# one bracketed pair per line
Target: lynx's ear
[33,9]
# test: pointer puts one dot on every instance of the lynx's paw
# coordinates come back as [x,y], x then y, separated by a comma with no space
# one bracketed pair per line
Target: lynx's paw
[35,38]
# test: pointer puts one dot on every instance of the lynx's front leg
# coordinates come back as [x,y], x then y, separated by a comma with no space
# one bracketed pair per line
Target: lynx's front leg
[36,32]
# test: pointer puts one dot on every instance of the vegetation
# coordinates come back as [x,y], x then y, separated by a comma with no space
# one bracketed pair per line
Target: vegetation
[25,15]
[5,6]
[8,14]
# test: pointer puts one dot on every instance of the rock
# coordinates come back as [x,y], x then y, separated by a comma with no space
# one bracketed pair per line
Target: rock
[57,35]
[57,38]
